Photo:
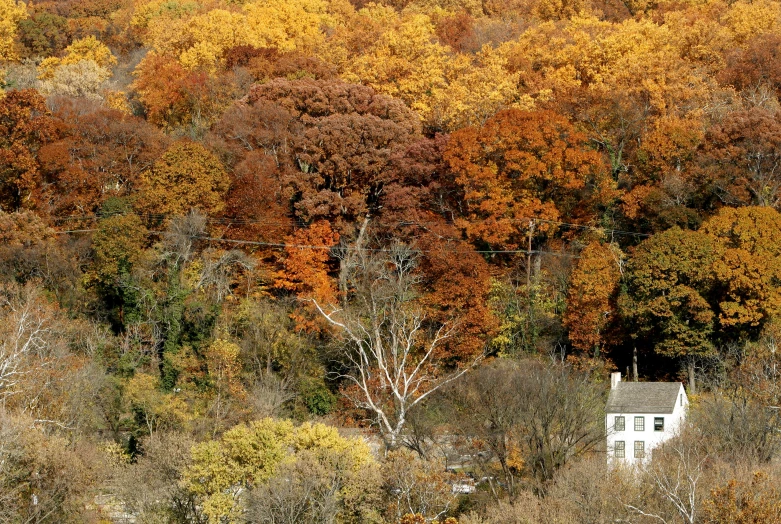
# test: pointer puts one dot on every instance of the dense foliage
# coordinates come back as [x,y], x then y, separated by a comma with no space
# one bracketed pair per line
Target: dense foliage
[229,227]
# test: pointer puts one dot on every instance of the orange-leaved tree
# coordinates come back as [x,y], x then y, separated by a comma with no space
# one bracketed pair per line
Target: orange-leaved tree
[174,96]
[306,267]
[522,166]
[455,289]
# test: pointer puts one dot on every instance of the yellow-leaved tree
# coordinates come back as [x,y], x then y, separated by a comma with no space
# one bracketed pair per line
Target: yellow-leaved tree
[11,13]
[288,25]
[227,392]
[186,177]
[81,72]
[89,48]
[636,57]
[269,458]
[749,268]
[198,39]
[477,88]
[405,61]
[153,408]
[744,19]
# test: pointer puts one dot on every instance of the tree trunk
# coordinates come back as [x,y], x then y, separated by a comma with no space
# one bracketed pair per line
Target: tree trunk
[529,256]
[346,261]
[634,365]
[692,381]
[392,441]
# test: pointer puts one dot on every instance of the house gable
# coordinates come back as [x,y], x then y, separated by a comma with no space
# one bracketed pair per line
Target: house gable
[644,397]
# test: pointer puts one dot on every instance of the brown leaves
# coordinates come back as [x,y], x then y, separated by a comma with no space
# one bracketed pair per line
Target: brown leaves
[457,282]
[744,502]
[323,98]
[256,203]
[333,143]
[741,157]
[759,63]
[23,229]
[102,157]
[458,31]
[268,63]
[25,125]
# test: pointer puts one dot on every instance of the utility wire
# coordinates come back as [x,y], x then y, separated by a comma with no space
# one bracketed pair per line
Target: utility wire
[299,222]
[381,250]
[284,245]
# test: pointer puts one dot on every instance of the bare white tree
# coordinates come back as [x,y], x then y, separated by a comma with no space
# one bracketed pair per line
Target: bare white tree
[676,474]
[37,378]
[390,352]
[221,269]
[25,336]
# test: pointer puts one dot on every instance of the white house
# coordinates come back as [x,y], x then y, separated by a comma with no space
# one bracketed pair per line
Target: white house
[640,416]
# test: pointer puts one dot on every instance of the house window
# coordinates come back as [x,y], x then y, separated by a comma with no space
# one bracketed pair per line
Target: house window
[618,448]
[658,423]
[639,449]
[639,423]
[619,424]
[681,399]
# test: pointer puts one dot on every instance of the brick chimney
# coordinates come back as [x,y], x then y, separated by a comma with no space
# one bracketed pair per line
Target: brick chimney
[615,378]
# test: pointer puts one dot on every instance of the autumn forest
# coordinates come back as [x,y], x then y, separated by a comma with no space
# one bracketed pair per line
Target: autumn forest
[334,261]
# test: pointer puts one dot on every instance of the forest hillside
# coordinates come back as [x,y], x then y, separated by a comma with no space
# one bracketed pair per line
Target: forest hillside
[342,261]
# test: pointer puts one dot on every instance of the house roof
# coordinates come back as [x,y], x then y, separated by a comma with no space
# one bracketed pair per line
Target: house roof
[643,397]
